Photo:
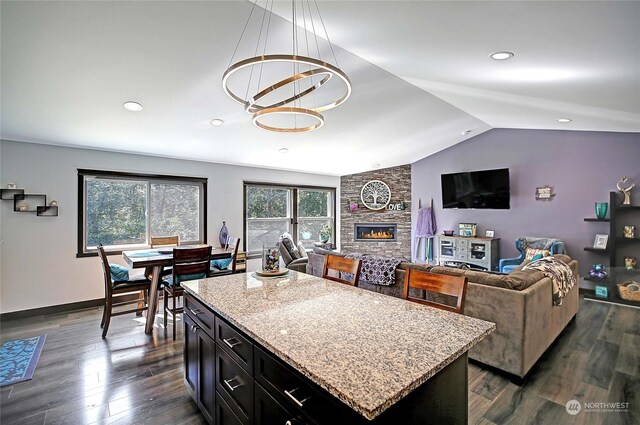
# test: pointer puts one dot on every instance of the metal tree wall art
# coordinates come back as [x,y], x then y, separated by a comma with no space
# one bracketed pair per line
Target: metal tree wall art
[375,195]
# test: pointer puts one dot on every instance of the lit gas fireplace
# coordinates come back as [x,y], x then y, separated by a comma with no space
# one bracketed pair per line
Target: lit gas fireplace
[375,232]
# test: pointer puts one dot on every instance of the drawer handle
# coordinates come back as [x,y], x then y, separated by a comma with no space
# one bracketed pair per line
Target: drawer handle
[231,387]
[229,342]
[292,397]
[195,312]
[194,328]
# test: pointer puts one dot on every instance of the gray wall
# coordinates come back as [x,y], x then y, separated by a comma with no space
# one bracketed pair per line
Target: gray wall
[39,264]
[583,167]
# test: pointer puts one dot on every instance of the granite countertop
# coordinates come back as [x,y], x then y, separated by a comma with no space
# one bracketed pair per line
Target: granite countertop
[367,349]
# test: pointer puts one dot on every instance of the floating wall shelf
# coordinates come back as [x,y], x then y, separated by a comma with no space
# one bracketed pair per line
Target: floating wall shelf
[29,202]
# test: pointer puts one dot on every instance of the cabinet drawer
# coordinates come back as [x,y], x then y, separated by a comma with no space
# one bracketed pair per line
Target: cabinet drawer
[199,313]
[461,255]
[462,243]
[292,390]
[268,411]
[224,413]
[235,385]
[235,344]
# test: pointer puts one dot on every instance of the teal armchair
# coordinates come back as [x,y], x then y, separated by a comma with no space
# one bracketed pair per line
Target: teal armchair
[555,246]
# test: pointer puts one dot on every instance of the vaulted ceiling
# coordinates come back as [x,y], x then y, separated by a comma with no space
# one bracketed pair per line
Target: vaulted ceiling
[421,77]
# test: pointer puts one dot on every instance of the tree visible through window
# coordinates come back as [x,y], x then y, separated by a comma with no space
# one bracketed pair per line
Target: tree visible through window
[127,210]
[270,211]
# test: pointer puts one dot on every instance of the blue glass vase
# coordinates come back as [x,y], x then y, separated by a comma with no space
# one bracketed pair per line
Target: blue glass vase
[224,235]
[601,209]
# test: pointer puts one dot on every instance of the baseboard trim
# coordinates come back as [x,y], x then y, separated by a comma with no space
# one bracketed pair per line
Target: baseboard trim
[61,308]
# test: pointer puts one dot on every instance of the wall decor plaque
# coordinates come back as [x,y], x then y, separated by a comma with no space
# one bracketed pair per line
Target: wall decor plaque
[544,193]
[375,195]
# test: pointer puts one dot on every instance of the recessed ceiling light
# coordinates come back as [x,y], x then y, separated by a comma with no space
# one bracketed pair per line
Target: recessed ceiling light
[132,106]
[283,150]
[217,122]
[376,165]
[464,133]
[564,120]
[500,56]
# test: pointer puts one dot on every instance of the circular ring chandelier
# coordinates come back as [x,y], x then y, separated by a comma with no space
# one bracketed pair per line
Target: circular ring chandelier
[316,68]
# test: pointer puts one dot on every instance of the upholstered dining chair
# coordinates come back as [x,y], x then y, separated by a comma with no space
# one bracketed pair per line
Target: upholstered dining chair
[450,286]
[117,282]
[228,265]
[188,264]
[342,265]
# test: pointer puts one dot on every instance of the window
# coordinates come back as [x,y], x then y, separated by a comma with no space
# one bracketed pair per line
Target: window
[271,210]
[123,210]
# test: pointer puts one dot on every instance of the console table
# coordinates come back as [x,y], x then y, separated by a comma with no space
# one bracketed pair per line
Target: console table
[478,253]
[301,349]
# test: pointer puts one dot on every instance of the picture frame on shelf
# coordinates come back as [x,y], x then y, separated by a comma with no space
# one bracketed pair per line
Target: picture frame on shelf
[489,233]
[601,241]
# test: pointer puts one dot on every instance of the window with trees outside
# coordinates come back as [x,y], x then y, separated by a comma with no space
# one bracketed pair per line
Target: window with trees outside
[123,210]
[271,210]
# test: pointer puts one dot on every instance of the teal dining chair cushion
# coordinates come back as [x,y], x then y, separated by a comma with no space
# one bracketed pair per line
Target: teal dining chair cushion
[118,273]
[184,278]
[222,264]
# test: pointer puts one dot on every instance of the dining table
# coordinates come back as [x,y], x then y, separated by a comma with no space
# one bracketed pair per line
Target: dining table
[158,258]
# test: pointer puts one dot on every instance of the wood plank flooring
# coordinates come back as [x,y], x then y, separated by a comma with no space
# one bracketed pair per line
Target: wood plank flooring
[134,378]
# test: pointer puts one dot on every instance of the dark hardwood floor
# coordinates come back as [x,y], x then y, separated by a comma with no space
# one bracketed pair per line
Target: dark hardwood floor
[134,378]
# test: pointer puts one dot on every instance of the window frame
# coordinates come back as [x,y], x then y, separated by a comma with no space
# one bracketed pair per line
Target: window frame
[293,201]
[84,174]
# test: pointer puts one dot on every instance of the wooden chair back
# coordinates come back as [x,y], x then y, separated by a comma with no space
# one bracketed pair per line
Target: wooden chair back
[190,261]
[234,244]
[453,286]
[343,265]
[165,241]
[106,271]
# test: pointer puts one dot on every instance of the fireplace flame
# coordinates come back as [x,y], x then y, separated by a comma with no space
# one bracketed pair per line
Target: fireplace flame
[381,234]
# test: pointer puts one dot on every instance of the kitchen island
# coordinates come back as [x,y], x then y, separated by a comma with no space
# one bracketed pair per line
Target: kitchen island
[302,349]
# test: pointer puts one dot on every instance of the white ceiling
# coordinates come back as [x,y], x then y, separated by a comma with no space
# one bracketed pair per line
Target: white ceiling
[420,72]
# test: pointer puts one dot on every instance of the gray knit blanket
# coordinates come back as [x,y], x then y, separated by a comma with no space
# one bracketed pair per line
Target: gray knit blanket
[562,278]
[376,270]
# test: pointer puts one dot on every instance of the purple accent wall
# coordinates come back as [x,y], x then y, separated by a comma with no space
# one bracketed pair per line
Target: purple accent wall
[582,167]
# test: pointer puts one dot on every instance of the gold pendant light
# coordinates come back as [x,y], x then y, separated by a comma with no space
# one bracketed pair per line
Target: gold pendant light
[300,102]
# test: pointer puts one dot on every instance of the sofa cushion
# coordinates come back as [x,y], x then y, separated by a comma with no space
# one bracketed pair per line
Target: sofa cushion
[302,250]
[498,280]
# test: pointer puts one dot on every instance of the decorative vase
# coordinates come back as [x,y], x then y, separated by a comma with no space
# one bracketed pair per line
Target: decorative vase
[270,259]
[224,235]
[601,209]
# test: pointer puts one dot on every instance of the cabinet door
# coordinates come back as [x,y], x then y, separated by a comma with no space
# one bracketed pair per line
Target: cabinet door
[190,354]
[270,412]
[206,375]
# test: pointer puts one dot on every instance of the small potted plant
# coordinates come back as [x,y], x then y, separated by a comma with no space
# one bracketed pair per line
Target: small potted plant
[325,233]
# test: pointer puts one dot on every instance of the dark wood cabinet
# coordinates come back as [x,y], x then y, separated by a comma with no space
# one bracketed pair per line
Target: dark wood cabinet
[268,411]
[199,367]
[236,381]
[224,413]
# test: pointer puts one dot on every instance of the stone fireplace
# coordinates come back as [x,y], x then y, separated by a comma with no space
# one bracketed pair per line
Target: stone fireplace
[375,232]
[385,232]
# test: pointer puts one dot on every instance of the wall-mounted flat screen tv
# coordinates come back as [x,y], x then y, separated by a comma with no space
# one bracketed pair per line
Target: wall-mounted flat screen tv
[487,189]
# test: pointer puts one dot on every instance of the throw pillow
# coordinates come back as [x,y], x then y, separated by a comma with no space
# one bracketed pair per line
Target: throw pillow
[302,250]
[290,247]
[532,252]
[119,273]
[222,264]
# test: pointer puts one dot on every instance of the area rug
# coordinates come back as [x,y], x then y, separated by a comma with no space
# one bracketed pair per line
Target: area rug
[19,358]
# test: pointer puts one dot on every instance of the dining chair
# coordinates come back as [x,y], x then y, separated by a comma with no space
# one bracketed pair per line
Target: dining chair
[113,287]
[224,266]
[162,241]
[349,266]
[188,264]
[450,286]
